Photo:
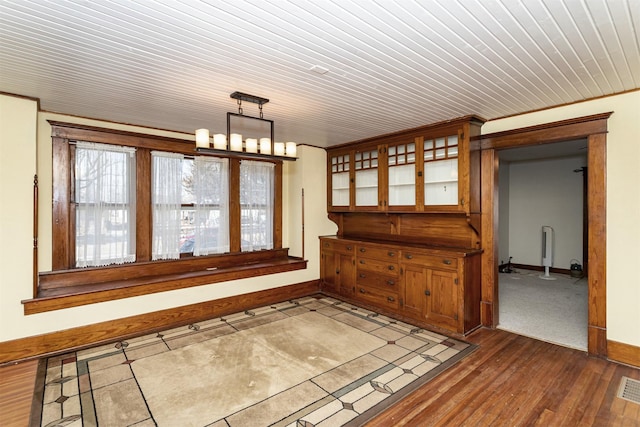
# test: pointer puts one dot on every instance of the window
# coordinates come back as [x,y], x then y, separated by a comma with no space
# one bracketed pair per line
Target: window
[137,198]
[104,191]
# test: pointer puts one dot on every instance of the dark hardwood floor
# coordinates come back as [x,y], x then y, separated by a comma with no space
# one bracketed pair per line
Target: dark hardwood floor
[509,381]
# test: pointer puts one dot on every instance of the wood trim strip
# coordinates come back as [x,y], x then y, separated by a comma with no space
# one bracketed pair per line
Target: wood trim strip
[119,329]
[489,238]
[580,127]
[623,353]
[90,294]
[60,214]
[597,249]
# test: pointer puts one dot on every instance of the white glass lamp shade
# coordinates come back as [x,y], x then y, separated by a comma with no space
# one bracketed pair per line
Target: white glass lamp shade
[202,138]
[235,142]
[291,149]
[278,149]
[265,145]
[220,141]
[251,145]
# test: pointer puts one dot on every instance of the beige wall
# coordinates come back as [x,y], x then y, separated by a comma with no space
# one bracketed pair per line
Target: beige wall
[623,202]
[551,189]
[17,164]
[17,169]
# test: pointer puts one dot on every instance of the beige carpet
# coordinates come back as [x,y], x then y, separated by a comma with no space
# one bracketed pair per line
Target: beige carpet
[313,362]
[554,311]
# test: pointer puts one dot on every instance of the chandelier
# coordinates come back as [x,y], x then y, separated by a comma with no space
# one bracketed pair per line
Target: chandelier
[258,141]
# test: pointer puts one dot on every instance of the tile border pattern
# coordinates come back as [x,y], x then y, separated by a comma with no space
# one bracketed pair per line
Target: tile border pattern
[347,395]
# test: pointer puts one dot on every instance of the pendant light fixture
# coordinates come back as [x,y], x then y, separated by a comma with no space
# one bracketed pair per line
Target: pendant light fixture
[260,144]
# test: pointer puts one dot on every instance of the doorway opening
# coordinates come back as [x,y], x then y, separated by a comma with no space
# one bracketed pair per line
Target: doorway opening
[594,129]
[543,290]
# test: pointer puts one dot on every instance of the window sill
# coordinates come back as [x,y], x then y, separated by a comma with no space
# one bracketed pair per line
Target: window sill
[72,288]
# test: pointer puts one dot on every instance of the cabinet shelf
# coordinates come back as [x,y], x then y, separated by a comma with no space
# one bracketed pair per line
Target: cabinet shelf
[443,181]
[400,168]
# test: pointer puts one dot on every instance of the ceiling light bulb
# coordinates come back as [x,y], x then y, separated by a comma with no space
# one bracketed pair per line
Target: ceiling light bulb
[202,138]
[220,141]
[291,149]
[265,145]
[235,142]
[251,145]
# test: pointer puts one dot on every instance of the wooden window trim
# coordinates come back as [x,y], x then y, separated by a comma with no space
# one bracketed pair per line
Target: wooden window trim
[67,286]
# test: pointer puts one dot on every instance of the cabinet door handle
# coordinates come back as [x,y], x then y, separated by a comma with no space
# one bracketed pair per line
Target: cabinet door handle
[337,271]
[391,299]
[361,261]
[363,250]
[362,275]
[391,267]
[362,291]
[348,248]
[427,293]
[446,261]
[391,282]
[408,256]
[392,254]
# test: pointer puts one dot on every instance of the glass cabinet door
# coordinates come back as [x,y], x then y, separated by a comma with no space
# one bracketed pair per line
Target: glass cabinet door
[340,180]
[366,173]
[401,160]
[441,171]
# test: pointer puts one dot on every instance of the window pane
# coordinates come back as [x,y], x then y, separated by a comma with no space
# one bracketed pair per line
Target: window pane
[105,214]
[211,206]
[166,198]
[256,205]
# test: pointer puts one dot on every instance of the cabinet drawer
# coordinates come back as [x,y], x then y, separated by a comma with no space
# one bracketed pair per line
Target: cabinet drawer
[387,254]
[433,261]
[338,246]
[371,278]
[377,296]
[378,266]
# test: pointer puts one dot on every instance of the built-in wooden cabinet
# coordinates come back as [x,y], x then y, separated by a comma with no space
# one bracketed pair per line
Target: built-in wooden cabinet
[433,168]
[407,207]
[434,286]
[337,266]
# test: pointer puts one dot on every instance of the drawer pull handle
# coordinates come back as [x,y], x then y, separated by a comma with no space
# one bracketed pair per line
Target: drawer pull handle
[390,282]
[427,293]
[362,291]
[363,250]
[391,299]
[408,256]
[348,248]
[361,261]
[392,254]
[337,271]
[362,275]
[391,267]
[326,245]
[446,261]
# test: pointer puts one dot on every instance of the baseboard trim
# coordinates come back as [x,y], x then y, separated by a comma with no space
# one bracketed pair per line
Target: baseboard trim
[104,332]
[623,353]
[540,268]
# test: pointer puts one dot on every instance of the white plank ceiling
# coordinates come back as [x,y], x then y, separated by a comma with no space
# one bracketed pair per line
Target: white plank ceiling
[334,70]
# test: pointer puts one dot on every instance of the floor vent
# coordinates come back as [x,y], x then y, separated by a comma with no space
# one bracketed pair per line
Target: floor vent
[629,390]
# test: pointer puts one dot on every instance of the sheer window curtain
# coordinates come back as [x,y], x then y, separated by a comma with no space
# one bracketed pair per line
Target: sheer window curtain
[166,199]
[256,204]
[211,183]
[105,208]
